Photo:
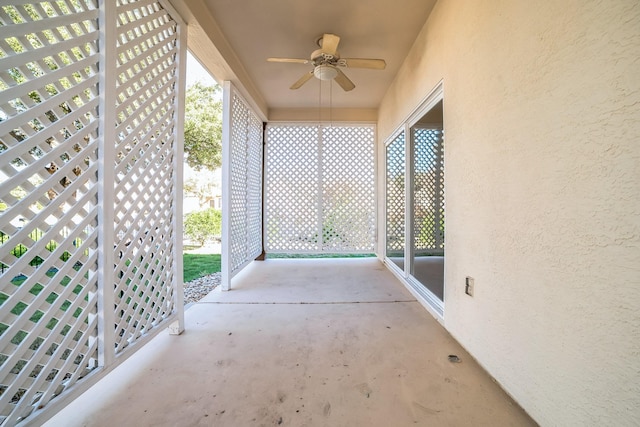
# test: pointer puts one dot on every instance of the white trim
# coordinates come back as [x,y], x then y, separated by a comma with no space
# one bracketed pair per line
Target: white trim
[428,102]
[166,5]
[396,133]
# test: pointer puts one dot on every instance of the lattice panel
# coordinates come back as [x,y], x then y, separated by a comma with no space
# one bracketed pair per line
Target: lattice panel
[144,189]
[254,187]
[244,213]
[292,192]
[238,197]
[348,193]
[395,197]
[428,189]
[320,189]
[48,201]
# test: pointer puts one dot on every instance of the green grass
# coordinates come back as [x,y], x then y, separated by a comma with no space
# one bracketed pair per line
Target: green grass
[35,318]
[198,265]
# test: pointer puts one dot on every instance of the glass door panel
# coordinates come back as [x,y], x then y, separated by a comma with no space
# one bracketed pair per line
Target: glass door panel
[427,263]
[395,198]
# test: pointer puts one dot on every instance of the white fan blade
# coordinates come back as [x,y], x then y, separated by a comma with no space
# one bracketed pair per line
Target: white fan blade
[305,78]
[330,44]
[374,64]
[289,60]
[344,81]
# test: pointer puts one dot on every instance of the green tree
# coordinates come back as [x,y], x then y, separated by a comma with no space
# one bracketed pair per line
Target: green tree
[203,225]
[203,127]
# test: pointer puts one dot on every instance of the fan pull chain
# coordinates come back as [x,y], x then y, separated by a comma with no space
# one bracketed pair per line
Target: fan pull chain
[330,103]
[320,104]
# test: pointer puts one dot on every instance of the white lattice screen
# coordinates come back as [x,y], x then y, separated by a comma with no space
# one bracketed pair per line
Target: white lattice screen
[428,190]
[292,208]
[242,176]
[52,146]
[146,71]
[320,189]
[395,197]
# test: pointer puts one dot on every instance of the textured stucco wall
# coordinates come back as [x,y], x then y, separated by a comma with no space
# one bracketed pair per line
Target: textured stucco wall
[542,123]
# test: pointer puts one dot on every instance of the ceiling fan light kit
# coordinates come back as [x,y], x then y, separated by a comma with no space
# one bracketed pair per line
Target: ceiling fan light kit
[325,72]
[326,61]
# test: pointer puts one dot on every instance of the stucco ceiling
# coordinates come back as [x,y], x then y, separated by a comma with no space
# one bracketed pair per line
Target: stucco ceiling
[258,29]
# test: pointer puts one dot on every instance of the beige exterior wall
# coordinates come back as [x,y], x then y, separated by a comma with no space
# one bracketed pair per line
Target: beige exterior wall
[542,120]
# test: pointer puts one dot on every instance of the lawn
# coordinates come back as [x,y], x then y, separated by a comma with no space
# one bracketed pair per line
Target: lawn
[198,265]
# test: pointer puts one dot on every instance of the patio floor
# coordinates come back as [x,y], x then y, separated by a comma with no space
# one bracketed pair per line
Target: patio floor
[300,343]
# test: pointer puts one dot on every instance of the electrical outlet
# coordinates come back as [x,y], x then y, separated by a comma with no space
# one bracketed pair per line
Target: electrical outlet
[468,286]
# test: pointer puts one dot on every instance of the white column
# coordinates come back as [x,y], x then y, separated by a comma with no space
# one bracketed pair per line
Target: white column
[225,284]
[178,160]
[106,197]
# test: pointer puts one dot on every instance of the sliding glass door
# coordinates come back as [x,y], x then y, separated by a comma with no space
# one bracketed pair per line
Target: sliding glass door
[415,208]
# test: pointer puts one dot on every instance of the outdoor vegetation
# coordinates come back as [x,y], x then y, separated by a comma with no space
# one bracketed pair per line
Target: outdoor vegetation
[198,265]
[203,226]
[203,127]
[203,152]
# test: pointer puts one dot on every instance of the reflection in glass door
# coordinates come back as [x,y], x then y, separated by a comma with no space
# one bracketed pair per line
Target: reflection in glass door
[395,200]
[427,213]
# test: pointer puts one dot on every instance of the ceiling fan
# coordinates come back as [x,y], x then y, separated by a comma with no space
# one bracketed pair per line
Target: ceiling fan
[326,61]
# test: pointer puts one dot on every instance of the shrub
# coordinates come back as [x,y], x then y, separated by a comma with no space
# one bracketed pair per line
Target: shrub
[203,225]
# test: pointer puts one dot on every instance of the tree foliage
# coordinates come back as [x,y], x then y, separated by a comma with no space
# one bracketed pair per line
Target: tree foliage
[203,127]
[202,226]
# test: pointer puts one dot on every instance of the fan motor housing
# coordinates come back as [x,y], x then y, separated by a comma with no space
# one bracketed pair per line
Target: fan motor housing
[318,57]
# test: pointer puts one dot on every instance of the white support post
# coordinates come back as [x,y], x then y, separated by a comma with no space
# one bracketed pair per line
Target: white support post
[177,327]
[265,194]
[320,213]
[378,190]
[226,187]
[106,179]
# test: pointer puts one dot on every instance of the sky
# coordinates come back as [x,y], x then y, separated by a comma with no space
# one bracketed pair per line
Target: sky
[195,72]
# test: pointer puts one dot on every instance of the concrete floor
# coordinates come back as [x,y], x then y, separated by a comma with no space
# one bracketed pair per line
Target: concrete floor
[300,343]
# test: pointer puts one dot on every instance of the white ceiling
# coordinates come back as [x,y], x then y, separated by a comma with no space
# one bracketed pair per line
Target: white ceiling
[258,29]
